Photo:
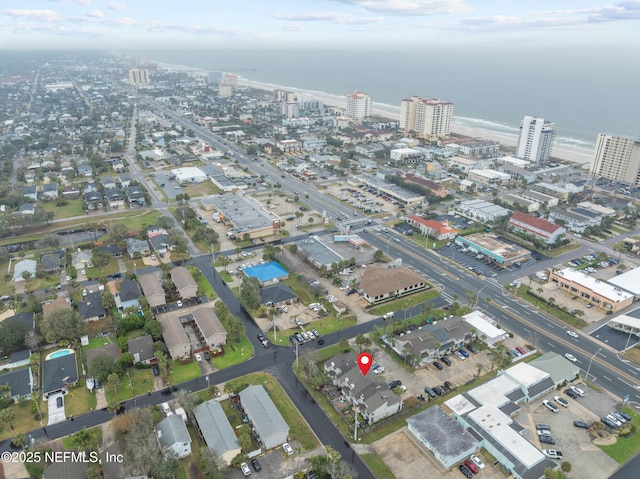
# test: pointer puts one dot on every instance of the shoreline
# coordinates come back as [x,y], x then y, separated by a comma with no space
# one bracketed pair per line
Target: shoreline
[562,152]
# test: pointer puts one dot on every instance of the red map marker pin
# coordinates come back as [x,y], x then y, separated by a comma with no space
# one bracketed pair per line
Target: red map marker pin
[365,360]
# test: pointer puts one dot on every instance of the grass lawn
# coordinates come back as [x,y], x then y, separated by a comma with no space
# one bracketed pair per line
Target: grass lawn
[324,326]
[72,208]
[79,400]
[633,355]
[226,277]
[183,372]
[401,303]
[553,311]
[24,421]
[141,380]
[97,272]
[96,439]
[240,353]
[204,287]
[49,281]
[304,294]
[205,188]
[626,447]
[299,429]
[377,466]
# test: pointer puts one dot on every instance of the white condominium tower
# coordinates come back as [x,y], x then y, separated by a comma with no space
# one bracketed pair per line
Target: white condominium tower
[617,158]
[536,139]
[138,77]
[429,118]
[358,105]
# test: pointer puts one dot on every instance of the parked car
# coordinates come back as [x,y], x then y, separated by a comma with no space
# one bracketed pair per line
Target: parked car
[59,401]
[466,471]
[463,352]
[394,384]
[472,467]
[477,461]
[543,426]
[571,394]
[446,360]
[625,415]
[438,390]
[287,448]
[430,392]
[472,349]
[552,453]
[543,432]
[438,366]
[546,440]
[581,424]
[561,401]
[448,385]
[256,465]
[156,370]
[520,350]
[609,422]
[550,406]
[577,390]
[245,469]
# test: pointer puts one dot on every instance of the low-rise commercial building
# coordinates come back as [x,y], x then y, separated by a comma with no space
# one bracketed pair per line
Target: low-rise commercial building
[503,254]
[438,230]
[553,190]
[542,198]
[488,177]
[591,290]
[384,283]
[537,227]
[482,210]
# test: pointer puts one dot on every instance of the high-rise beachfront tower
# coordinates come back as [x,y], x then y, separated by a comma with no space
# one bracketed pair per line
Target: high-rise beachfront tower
[617,158]
[428,118]
[359,105]
[536,139]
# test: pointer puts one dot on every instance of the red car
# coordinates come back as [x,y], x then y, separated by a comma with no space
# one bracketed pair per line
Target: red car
[520,350]
[472,466]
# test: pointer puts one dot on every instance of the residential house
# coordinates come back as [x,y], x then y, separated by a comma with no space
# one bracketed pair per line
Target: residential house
[50,191]
[129,294]
[109,350]
[58,373]
[115,198]
[152,290]
[125,180]
[184,282]
[71,192]
[422,346]
[108,182]
[30,192]
[67,469]
[50,262]
[19,382]
[368,395]
[213,426]
[137,247]
[160,243]
[384,283]
[85,171]
[111,249]
[277,295]
[81,259]
[25,267]
[59,303]
[28,209]
[174,335]
[135,196]
[89,186]
[173,436]
[93,200]
[26,317]
[576,220]
[90,308]
[269,425]
[436,230]
[141,349]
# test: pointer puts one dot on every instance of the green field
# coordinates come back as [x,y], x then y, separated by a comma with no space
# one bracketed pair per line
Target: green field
[73,208]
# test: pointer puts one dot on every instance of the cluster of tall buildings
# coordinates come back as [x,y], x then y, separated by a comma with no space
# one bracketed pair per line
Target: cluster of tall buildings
[138,77]
[428,118]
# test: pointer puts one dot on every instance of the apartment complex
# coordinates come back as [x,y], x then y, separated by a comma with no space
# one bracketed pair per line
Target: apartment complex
[536,139]
[617,158]
[428,118]
[359,105]
[138,77]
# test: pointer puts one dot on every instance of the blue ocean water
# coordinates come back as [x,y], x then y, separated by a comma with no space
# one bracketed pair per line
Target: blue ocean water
[584,91]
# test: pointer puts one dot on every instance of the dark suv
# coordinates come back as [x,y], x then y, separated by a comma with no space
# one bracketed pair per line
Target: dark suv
[466,471]
[446,360]
[430,392]
[438,366]
[395,384]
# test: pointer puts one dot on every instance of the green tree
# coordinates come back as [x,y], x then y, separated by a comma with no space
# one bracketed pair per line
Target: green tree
[363,342]
[250,292]
[7,416]
[12,335]
[101,367]
[236,328]
[19,440]
[62,324]
[81,439]
[154,328]
[378,256]
[113,380]
[108,302]
[210,466]
[344,345]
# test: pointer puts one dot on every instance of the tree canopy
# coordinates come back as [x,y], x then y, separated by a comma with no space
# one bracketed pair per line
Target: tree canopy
[62,324]
[12,334]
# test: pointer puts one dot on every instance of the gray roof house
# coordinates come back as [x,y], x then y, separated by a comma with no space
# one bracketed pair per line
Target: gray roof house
[114,197]
[277,295]
[50,262]
[91,308]
[173,435]
[108,182]
[81,259]
[28,209]
[20,382]
[160,243]
[27,265]
[93,200]
[137,246]
[58,372]
[135,196]
[125,179]
[142,349]
[214,427]
[152,290]
[129,294]
[267,421]
[50,190]
[85,170]
[30,192]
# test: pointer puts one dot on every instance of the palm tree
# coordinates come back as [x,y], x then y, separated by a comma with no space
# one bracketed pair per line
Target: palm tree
[81,439]
[479,368]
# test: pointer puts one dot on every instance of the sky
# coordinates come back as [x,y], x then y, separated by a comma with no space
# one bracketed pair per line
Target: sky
[309,24]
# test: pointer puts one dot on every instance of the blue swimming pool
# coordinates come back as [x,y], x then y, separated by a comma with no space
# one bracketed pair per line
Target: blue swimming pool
[59,353]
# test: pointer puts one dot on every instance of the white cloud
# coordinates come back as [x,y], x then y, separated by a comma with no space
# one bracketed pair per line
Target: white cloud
[96,14]
[39,15]
[339,18]
[116,5]
[295,27]
[79,2]
[411,7]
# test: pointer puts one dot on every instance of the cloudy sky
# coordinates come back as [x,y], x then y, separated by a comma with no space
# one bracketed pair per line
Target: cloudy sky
[366,24]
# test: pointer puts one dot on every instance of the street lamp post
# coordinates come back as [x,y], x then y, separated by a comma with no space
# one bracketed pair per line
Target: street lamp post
[589,368]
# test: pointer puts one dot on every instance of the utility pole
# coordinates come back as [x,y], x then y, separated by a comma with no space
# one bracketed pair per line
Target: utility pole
[355,427]
[589,368]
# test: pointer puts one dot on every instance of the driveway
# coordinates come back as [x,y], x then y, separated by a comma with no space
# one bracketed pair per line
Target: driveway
[56,414]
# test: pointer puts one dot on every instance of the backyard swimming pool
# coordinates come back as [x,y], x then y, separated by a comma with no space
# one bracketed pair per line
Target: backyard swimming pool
[59,353]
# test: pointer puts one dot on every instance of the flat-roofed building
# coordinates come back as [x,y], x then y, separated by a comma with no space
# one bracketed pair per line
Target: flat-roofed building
[537,227]
[488,177]
[482,210]
[503,254]
[591,290]
[486,327]
[542,198]
[513,200]
[617,158]
[554,190]
[403,156]
[189,174]
[576,219]
[318,253]
[384,283]
[434,187]
[402,195]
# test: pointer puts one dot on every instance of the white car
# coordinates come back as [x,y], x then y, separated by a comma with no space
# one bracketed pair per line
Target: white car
[477,461]
[287,448]
[245,469]
[570,357]
[550,406]
[563,402]
[577,390]
[198,357]
[573,334]
[552,453]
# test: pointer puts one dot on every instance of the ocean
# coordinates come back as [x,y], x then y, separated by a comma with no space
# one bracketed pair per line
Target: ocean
[584,91]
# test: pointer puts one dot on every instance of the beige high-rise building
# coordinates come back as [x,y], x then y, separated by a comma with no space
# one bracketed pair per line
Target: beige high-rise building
[359,105]
[428,118]
[138,77]
[617,158]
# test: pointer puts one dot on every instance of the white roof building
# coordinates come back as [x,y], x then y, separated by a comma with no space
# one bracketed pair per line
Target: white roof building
[189,174]
[486,328]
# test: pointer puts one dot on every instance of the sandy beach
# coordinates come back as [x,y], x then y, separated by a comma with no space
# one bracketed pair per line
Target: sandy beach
[574,155]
